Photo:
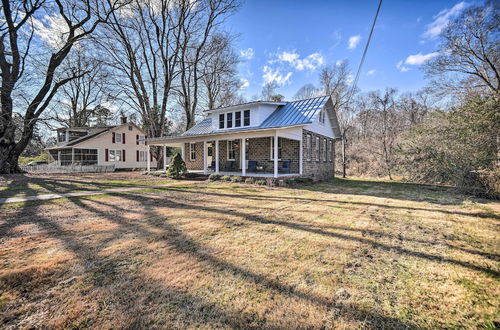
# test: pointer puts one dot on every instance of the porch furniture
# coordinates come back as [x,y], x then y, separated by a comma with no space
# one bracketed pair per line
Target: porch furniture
[230,166]
[252,166]
[212,165]
[259,168]
[285,167]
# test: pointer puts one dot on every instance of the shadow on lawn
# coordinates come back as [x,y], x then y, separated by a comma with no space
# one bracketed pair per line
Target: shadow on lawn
[134,294]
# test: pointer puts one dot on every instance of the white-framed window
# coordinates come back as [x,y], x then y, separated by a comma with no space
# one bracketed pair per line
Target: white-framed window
[324,150]
[317,149]
[115,155]
[231,150]
[143,156]
[237,119]
[246,118]
[322,116]
[118,138]
[308,146]
[192,152]
[229,120]
[330,155]
[221,121]
[279,148]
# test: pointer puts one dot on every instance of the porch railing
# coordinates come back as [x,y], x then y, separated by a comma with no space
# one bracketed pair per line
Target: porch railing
[68,168]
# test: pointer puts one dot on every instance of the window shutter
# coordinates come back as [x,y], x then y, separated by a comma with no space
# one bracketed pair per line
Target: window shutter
[137,155]
[137,139]
[106,154]
[123,139]
[113,140]
[123,154]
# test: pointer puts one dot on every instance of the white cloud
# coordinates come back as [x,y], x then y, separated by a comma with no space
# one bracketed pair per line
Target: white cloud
[247,54]
[310,62]
[350,79]
[339,62]
[442,19]
[277,76]
[51,29]
[371,72]
[401,67]
[244,83]
[354,41]
[419,58]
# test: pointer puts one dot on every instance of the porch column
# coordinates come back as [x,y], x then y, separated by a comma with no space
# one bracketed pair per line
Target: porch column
[72,156]
[59,157]
[275,154]
[301,156]
[216,156]
[165,158]
[205,156]
[243,157]
[148,157]
[183,153]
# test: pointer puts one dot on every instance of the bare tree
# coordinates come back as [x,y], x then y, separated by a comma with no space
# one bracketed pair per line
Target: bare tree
[469,57]
[306,92]
[220,73]
[17,31]
[269,92]
[201,23]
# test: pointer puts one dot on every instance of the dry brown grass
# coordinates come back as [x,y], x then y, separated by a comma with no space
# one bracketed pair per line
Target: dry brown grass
[343,254]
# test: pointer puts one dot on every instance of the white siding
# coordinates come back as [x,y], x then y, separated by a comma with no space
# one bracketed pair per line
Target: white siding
[322,128]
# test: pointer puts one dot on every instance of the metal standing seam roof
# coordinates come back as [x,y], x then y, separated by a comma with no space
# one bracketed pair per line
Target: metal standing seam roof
[291,114]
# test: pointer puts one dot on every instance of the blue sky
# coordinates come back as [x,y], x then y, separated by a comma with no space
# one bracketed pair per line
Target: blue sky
[289,41]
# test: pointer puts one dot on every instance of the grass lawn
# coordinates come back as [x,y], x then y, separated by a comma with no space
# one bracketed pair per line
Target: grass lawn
[342,254]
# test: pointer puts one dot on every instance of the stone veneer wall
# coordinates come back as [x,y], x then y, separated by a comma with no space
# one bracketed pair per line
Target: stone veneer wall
[318,170]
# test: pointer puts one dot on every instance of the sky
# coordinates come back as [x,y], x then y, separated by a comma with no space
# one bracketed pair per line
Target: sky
[289,41]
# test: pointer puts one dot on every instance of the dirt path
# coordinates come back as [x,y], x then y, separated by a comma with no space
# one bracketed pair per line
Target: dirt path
[88,193]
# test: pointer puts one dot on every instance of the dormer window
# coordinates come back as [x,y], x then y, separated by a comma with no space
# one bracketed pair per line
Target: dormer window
[229,120]
[221,121]
[237,119]
[246,118]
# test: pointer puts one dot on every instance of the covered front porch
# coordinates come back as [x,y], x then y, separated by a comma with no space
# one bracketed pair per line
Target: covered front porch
[270,154]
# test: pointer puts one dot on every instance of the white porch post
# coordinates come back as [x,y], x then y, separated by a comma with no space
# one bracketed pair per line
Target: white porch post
[148,157]
[243,157]
[72,156]
[205,157]
[216,156]
[59,157]
[165,158]
[301,156]
[183,153]
[275,154]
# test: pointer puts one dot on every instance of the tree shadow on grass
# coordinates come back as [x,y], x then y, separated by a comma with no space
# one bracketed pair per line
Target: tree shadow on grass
[190,309]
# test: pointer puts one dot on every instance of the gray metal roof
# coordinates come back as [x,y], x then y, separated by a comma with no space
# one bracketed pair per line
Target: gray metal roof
[294,113]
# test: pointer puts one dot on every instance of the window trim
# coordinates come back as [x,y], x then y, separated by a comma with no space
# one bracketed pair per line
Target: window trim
[118,138]
[280,148]
[330,156]
[325,151]
[233,149]
[192,152]
[116,152]
[237,121]
[229,120]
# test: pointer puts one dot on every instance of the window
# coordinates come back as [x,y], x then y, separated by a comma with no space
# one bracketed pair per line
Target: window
[317,149]
[322,116]
[115,155]
[237,119]
[330,155]
[279,148]
[130,127]
[192,152]
[143,156]
[85,156]
[308,147]
[324,150]
[229,119]
[221,121]
[246,118]
[118,138]
[231,150]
